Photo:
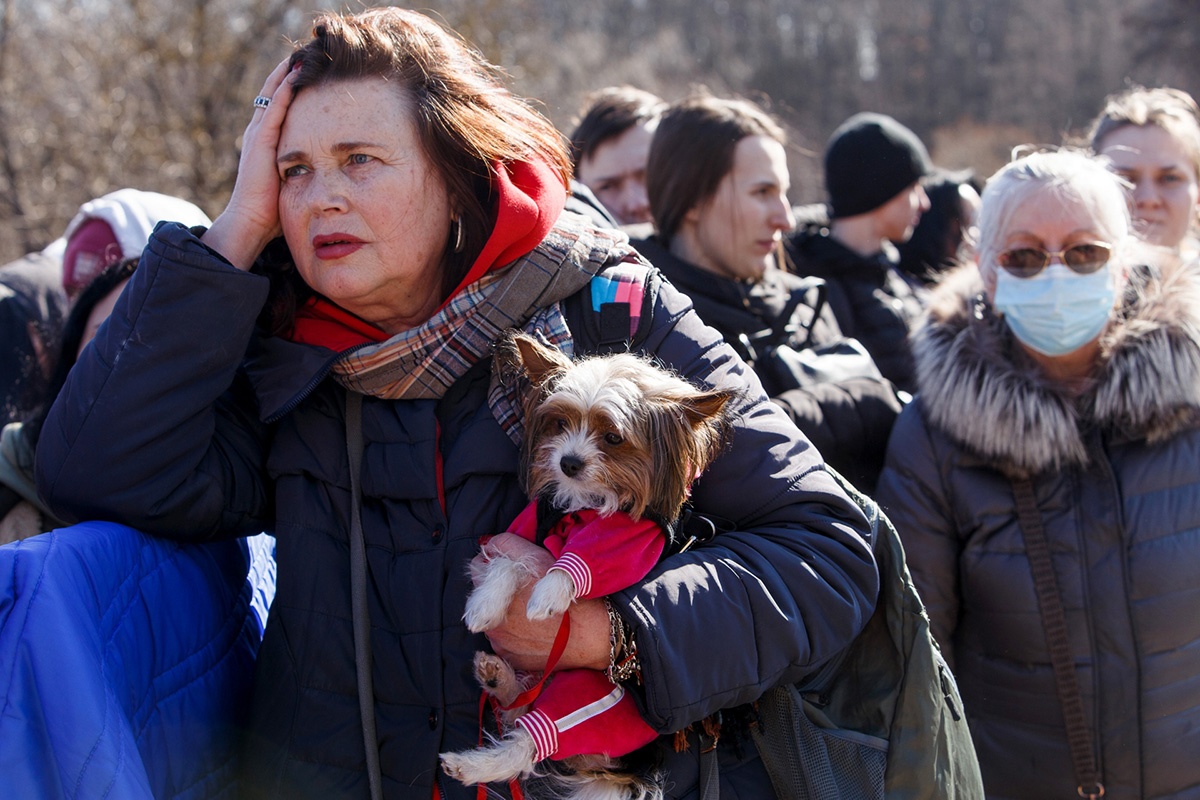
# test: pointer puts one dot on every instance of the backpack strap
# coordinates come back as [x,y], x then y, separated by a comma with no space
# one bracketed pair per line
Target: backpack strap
[1079,738]
[786,326]
[710,771]
[613,313]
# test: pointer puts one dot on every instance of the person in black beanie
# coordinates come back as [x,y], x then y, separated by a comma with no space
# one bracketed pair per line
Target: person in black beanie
[873,171]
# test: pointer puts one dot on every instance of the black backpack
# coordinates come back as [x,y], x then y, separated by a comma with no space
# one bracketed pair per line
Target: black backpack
[884,719]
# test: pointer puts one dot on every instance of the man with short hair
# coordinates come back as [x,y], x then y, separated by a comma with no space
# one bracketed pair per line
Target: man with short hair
[873,171]
[610,147]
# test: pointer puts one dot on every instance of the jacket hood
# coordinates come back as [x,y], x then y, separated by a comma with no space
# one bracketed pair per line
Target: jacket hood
[979,388]
[133,214]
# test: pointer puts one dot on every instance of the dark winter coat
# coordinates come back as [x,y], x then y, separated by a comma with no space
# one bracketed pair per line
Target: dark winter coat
[870,299]
[848,420]
[166,426]
[1116,473]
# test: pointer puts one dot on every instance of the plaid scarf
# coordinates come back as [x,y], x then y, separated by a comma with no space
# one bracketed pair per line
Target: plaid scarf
[423,362]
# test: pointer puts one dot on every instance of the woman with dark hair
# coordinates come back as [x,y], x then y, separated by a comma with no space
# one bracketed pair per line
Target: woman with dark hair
[937,242]
[22,512]
[718,182]
[420,209]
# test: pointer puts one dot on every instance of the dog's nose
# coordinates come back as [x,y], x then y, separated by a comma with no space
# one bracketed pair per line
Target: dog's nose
[571,465]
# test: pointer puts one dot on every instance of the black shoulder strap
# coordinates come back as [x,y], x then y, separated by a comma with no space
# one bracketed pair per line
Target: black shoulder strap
[358,597]
[785,327]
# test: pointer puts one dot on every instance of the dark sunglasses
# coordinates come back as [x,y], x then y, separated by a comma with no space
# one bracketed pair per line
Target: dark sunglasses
[1025,262]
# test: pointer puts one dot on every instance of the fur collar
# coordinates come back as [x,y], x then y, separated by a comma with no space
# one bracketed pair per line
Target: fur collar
[981,390]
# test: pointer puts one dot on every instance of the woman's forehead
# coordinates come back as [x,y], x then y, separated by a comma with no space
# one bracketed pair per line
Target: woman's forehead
[1060,210]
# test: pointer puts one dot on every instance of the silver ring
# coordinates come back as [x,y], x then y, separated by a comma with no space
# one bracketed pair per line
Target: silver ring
[262,102]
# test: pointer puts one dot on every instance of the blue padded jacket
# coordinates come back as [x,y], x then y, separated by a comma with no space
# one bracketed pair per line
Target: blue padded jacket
[126,662]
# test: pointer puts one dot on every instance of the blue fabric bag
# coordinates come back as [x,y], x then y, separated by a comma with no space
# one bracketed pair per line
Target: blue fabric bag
[126,662]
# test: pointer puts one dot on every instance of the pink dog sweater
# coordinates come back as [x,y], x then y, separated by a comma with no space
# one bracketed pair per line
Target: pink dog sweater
[580,710]
[601,554]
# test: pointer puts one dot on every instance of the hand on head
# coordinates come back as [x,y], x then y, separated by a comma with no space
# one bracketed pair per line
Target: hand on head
[251,219]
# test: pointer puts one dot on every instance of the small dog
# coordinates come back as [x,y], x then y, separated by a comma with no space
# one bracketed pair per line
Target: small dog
[612,446]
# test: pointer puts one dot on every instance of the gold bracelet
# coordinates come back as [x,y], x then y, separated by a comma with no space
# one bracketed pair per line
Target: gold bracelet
[614,636]
[623,662]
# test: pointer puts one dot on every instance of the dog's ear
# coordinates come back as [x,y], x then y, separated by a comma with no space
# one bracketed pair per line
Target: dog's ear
[522,354]
[701,407]
[688,432]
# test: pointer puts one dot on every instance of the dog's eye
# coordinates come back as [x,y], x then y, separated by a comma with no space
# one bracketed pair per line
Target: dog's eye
[613,438]
[560,423]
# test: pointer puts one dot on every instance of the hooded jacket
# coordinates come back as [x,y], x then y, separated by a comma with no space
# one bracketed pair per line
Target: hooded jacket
[129,217]
[870,299]
[242,432]
[1116,474]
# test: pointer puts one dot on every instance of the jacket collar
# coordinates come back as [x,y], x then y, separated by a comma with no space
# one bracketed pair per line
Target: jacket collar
[816,252]
[689,278]
[981,390]
[765,296]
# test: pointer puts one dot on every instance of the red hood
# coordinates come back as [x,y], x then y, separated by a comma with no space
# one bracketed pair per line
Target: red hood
[531,197]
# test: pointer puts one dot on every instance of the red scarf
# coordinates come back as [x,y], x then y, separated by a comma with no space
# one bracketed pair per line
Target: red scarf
[531,198]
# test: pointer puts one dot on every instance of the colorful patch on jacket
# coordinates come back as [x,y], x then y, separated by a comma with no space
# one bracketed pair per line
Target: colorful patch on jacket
[625,286]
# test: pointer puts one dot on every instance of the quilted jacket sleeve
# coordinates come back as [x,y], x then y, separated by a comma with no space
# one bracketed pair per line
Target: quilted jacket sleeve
[848,421]
[154,428]
[912,494]
[771,600]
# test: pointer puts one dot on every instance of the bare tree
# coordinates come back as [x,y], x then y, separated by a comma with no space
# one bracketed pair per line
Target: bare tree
[140,93]
[154,93]
[1164,38]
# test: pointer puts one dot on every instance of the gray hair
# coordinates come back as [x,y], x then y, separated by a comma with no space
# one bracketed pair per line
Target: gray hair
[1073,177]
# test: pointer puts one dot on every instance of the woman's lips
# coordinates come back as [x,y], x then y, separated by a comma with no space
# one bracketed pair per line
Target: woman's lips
[335,246]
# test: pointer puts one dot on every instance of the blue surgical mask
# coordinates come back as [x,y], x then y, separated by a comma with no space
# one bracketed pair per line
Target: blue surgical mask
[1056,311]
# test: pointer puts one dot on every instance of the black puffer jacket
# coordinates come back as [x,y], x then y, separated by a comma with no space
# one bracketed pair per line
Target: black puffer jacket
[164,425]
[870,299]
[847,419]
[1116,475]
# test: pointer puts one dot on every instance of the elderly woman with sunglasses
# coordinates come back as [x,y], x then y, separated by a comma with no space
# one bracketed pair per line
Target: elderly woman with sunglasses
[1056,435]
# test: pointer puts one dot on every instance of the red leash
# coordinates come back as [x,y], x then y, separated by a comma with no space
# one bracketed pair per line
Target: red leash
[523,699]
[514,786]
[556,650]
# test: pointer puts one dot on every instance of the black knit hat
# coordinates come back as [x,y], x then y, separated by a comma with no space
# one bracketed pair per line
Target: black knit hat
[870,159]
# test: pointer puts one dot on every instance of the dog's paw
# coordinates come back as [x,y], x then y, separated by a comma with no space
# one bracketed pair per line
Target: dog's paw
[496,581]
[455,765]
[506,759]
[481,615]
[496,676]
[551,595]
